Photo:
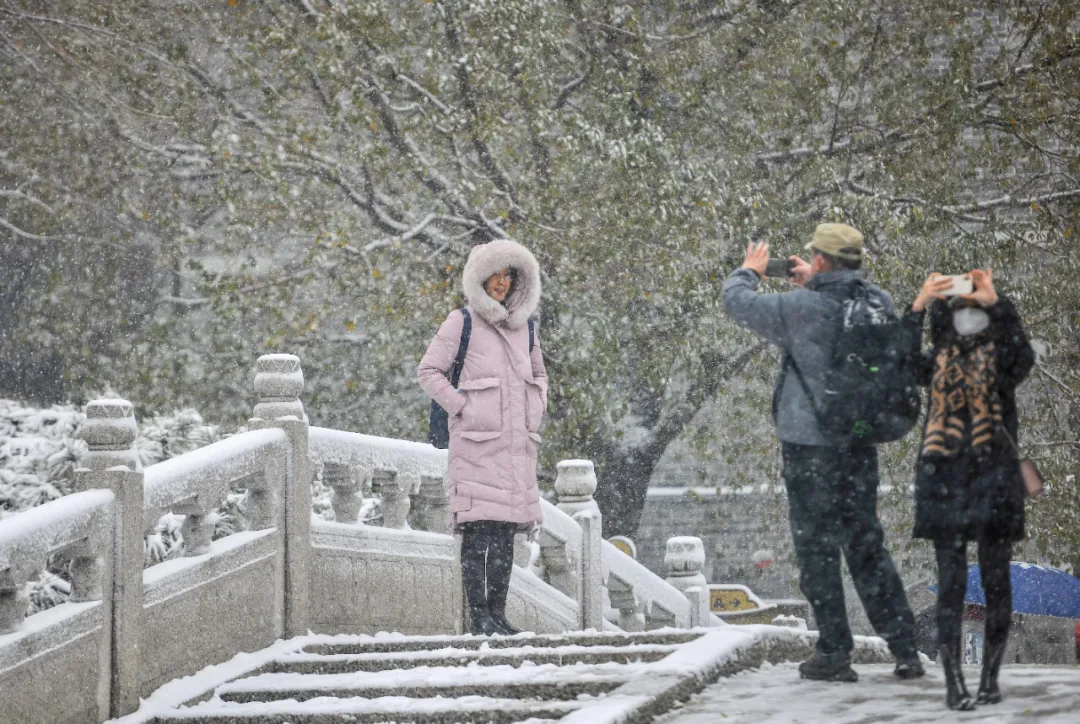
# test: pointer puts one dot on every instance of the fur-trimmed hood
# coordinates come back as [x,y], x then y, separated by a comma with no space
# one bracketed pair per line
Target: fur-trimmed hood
[524,297]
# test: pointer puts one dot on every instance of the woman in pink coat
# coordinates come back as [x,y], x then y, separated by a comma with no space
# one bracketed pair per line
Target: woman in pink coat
[494,420]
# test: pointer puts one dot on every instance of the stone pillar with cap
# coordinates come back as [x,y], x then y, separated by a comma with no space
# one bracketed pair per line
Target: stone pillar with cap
[685,559]
[575,484]
[279,382]
[110,462]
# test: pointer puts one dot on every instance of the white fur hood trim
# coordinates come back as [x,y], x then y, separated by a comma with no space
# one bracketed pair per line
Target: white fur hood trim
[485,260]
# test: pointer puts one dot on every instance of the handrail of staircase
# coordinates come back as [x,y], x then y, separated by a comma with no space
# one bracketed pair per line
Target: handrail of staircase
[637,598]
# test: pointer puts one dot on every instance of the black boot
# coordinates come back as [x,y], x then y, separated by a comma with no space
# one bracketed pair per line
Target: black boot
[474,551]
[993,655]
[828,668]
[500,568]
[956,693]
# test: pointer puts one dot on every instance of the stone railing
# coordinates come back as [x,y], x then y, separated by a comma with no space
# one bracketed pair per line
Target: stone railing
[70,643]
[127,629]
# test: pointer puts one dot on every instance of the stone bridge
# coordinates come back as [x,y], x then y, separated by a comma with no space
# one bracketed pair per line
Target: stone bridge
[307,597]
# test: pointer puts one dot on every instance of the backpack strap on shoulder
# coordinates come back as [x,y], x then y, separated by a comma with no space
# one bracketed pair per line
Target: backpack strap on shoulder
[463,348]
[532,336]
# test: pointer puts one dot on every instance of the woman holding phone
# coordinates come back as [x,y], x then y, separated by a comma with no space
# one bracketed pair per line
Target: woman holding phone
[968,485]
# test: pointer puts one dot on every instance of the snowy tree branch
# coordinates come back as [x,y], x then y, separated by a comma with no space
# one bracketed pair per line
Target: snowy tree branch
[22,233]
[1067,53]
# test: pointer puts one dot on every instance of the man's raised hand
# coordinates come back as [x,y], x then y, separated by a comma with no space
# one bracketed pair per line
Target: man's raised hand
[757,258]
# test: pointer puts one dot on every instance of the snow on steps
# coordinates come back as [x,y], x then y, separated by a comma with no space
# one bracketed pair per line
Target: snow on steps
[577,678]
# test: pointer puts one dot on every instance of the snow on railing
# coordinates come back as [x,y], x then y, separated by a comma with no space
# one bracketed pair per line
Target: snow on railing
[78,525]
[194,484]
[407,475]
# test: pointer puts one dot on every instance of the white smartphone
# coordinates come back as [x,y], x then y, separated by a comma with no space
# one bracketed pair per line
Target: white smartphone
[961,284]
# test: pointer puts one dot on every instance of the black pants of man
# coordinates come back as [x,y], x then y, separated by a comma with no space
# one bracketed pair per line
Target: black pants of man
[994,557]
[832,507]
[487,561]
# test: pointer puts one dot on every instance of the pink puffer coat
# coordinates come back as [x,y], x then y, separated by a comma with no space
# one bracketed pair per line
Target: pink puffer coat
[496,411]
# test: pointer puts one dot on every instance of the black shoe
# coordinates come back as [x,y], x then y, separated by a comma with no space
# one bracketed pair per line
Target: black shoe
[819,668]
[956,693]
[909,668]
[484,625]
[508,628]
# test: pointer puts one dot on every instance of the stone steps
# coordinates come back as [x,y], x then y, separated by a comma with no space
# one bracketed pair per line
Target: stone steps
[524,678]
[584,678]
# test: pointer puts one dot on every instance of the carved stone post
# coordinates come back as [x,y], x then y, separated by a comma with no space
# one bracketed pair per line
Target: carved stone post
[279,381]
[347,498]
[109,430]
[110,462]
[575,483]
[592,571]
[395,499]
[432,505]
[685,559]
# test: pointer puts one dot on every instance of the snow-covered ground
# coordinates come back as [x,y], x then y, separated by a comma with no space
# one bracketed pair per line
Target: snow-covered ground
[776,695]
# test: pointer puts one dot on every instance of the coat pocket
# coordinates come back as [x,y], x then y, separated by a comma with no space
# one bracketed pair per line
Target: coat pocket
[483,405]
[534,405]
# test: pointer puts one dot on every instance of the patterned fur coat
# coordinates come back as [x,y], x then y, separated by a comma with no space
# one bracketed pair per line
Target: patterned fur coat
[968,476]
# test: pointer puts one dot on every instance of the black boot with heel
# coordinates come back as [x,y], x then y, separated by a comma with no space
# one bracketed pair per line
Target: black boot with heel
[993,655]
[956,693]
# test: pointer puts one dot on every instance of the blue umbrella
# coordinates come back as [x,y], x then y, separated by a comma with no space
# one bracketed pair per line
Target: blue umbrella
[1036,590]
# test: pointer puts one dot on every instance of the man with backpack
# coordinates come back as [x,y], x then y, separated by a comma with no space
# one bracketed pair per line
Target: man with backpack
[844,386]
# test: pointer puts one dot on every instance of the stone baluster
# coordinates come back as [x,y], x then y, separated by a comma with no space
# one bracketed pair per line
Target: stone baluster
[626,598]
[110,462]
[87,577]
[279,382]
[575,483]
[197,530]
[558,564]
[346,498]
[685,559]
[13,602]
[395,499]
[432,505]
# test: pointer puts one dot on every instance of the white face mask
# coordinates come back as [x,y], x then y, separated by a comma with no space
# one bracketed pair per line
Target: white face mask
[969,321]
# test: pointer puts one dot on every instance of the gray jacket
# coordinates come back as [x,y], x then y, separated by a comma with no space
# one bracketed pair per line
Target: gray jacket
[803,323]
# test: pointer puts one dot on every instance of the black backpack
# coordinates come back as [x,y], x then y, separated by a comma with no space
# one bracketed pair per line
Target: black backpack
[871,389]
[439,420]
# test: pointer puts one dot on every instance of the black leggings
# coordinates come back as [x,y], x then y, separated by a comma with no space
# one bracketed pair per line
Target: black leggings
[487,559]
[994,557]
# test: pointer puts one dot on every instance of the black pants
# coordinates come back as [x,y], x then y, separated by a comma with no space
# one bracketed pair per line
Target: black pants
[487,561]
[994,557]
[832,506]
